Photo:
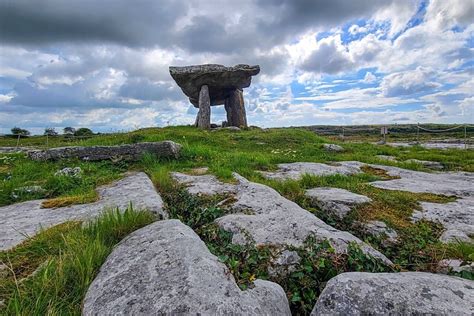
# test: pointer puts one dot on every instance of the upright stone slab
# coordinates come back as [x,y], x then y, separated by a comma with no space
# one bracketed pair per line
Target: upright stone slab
[224,85]
[204,114]
[235,108]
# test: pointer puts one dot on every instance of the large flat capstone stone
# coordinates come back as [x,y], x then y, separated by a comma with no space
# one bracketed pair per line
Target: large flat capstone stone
[166,269]
[221,80]
[262,216]
[405,293]
[17,221]
[133,152]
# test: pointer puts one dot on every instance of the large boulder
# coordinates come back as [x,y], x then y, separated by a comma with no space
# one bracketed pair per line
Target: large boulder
[166,269]
[165,149]
[406,293]
[221,80]
[20,220]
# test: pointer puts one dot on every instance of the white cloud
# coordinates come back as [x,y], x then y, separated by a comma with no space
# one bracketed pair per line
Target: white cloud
[409,82]
[369,77]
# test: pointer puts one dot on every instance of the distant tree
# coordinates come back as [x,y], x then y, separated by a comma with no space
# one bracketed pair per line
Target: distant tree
[83,131]
[69,130]
[20,131]
[50,131]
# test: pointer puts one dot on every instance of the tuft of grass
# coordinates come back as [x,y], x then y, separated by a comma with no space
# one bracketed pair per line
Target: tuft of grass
[88,197]
[463,250]
[66,258]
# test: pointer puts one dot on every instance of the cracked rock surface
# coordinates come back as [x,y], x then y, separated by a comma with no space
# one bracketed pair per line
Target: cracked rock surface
[296,170]
[338,202]
[165,268]
[273,219]
[405,293]
[28,217]
[457,218]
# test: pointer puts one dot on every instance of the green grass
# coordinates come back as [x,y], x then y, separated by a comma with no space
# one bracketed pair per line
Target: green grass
[69,247]
[65,258]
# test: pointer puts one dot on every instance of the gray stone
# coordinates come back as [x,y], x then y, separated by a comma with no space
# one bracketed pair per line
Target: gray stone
[220,79]
[445,183]
[455,265]
[235,109]
[335,201]
[296,170]
[405,293]
[9,150]
[20,220]
[203,184]
[456,217]
[69,172]
[262,215]
[284,263]
[434,145]
[166,269]
[428,164]
[204,114]
[380,229]
[165,149]
[333,148]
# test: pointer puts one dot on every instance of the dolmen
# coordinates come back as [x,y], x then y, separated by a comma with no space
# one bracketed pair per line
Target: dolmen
[209,85]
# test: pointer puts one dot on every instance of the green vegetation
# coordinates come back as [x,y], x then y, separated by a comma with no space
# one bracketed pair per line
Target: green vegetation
[224,152]
[50,273]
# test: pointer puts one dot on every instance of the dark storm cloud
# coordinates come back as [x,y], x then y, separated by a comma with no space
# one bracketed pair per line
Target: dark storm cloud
[262,24]
[139,22]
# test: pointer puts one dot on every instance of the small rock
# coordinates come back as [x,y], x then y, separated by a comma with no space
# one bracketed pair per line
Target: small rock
[381,142]
[232,128]
[405,293]
[335,201]
[455,265]
[166,269]
[380,229]
[284,263]
[69,172]
[428,164]
[333,148]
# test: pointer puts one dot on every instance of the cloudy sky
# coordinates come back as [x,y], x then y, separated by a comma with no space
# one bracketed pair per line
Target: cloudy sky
[104,64]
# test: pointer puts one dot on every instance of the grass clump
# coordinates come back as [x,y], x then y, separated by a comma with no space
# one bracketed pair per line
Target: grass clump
[67,258]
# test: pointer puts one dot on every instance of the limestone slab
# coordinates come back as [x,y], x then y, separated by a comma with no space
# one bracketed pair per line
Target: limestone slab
[166,269]
[17,221]
[405,293]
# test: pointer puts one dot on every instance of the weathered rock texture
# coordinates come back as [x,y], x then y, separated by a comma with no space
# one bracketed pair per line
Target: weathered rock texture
[224,86]
[297,169]
[166,269]
[335,201]
[381,230]
[17,221]
[406,293]
[456,217]
[166,149]
[261,215]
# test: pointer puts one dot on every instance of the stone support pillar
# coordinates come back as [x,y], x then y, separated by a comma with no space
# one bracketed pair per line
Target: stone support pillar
[204,114]
[235,108]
